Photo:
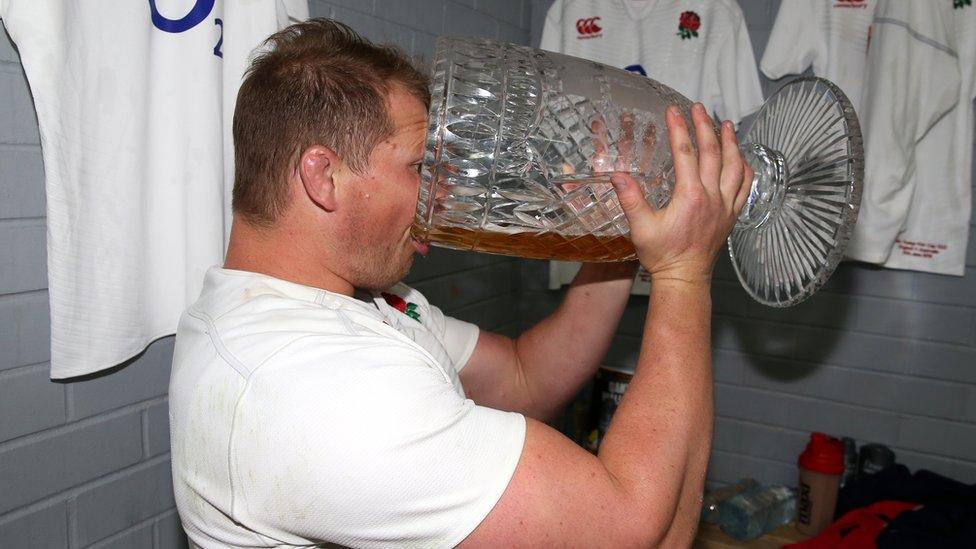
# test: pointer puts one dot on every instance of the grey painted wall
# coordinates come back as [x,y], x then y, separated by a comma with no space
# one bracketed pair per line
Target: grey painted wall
[86,463]
[879,355]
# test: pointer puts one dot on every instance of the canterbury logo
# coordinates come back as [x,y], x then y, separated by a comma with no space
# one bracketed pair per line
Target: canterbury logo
[851,4]
[588,28]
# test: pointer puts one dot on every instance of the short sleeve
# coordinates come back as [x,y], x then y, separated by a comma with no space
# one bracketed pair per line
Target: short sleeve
[6,11]
[459,338]
[552,29]
[366,445]
[736,92]
[294,11]
[791,48]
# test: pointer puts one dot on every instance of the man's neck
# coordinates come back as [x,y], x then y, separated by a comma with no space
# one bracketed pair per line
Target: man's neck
[275,252]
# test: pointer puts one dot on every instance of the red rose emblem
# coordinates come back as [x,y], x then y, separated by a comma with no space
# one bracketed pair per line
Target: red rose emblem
[398,303]
[690,21]
[688,25]
[395,301]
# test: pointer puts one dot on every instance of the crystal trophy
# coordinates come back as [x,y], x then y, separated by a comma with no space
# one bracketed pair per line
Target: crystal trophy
[522,143]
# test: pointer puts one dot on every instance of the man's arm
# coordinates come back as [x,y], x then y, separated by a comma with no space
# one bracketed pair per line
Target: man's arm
[541,370]
[644,487]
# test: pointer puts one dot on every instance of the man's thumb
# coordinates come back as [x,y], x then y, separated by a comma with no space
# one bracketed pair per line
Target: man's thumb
[630,195]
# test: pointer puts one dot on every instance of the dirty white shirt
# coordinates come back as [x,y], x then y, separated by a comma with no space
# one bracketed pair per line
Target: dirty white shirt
[300,417]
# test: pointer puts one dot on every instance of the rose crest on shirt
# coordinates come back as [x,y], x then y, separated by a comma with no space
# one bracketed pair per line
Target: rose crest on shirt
[688,25]
[402,305]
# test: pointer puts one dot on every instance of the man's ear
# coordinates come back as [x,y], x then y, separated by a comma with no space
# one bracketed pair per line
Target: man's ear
[318,167]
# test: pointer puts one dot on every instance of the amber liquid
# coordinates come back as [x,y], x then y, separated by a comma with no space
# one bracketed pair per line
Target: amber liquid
[536,246]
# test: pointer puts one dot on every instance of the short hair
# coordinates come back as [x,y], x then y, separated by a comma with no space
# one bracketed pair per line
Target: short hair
[315,82]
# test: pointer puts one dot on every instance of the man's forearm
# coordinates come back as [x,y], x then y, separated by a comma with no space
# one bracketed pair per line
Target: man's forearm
[658,442]
[560,353]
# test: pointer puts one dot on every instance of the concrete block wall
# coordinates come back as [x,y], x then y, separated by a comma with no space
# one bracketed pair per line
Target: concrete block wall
[879,355]
[86,463]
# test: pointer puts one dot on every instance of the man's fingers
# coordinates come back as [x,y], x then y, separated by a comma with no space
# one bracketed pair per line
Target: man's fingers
[648,143]
[625,143]
[745,187]
[682,153]
[600,162]
[732,165]
[709,149]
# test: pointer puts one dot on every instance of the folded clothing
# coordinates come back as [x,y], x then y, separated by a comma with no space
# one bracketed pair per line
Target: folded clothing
[898,484]
[934,525]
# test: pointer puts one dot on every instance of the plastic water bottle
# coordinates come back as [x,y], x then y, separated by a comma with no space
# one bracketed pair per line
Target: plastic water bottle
[757,511]
[713,499]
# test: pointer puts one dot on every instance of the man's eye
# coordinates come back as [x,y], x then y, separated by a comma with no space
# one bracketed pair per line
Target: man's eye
[417,166]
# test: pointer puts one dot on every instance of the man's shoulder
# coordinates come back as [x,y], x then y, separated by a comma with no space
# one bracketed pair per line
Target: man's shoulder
[409,294]
[414,304]
[248,320]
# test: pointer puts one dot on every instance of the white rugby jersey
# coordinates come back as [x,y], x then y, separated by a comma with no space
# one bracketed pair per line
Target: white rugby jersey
[133,101]
[936,232]
[700,48]
[913,80]
[830,36]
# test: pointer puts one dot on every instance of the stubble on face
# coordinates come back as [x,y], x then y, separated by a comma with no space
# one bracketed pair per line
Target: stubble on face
[376,268]
[377,254]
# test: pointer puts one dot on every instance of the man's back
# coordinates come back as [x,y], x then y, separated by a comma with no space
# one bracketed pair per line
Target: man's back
[300,416]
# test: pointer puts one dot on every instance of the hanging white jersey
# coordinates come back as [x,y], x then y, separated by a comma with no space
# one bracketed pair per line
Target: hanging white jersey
[829,36]
[131,100]
[700,48]
[936,232]
[913,80]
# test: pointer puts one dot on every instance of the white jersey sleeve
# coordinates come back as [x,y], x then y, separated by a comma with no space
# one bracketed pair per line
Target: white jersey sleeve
[552,38]
[389,456]
[732,89]
[913,80]
[793,46]
[458,338]
[292,11]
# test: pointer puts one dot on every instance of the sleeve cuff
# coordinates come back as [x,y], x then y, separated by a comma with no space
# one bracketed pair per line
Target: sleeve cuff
[466,336]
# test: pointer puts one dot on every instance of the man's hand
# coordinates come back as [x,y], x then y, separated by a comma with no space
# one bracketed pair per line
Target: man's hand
[652,461]
[680,241]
